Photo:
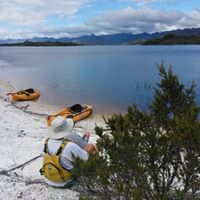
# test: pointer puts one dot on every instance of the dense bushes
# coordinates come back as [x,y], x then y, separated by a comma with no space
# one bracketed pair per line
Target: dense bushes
[148,155]
[170,39]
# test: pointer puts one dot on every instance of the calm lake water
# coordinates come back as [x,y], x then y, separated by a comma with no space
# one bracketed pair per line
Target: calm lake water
[108,77]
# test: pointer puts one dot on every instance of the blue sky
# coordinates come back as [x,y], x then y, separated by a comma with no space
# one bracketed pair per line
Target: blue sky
[71,18]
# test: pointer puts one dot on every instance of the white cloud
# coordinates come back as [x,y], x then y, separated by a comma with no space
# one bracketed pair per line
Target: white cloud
[131,20]
[16,34]
[139,20]
[28,12]
[142,20]
[143,2]
[126,20]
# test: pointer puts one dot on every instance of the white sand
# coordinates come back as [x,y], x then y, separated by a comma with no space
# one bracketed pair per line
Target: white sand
[21,134]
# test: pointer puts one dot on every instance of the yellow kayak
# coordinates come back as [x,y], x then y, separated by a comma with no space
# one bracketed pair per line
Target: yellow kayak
[76,112]
[25,95]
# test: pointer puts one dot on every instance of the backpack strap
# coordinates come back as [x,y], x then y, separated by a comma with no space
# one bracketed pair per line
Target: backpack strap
[59,151]
[62,146]
[45,146]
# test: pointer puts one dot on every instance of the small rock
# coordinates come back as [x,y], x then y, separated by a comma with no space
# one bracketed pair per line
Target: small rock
[19,195]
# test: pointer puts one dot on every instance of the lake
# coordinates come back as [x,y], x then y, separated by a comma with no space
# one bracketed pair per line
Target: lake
[108,77]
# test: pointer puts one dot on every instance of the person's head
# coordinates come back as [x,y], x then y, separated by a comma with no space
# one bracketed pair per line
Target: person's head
[59,127]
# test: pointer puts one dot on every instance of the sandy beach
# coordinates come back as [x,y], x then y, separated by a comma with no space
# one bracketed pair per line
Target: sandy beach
[22,127]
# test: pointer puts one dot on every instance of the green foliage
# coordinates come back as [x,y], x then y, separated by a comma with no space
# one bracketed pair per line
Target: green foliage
[172,100]
[169,36]
[148,155]
[84,198]
[173,39]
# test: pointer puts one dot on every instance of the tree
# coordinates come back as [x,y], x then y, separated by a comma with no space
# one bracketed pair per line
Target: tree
[175,110]
[148,155]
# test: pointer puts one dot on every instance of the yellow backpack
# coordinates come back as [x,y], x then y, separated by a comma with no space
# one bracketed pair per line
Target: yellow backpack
[52,168]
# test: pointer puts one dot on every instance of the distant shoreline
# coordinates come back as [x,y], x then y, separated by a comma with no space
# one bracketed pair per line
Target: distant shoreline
[40,44]
[108,39]
[172,39]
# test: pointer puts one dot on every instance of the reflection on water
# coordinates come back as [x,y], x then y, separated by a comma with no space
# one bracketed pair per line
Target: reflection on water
[108,77]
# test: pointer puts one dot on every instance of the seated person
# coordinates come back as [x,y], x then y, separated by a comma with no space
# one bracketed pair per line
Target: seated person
[58,151]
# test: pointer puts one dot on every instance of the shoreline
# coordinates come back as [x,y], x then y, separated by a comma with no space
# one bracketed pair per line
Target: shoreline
[41,106]
[22,130]
[51,104]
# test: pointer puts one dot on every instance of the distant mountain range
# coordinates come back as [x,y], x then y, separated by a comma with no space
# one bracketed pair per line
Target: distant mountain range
[114,39]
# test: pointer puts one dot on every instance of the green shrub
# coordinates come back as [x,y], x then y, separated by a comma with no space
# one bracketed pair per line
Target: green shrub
[148,155]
